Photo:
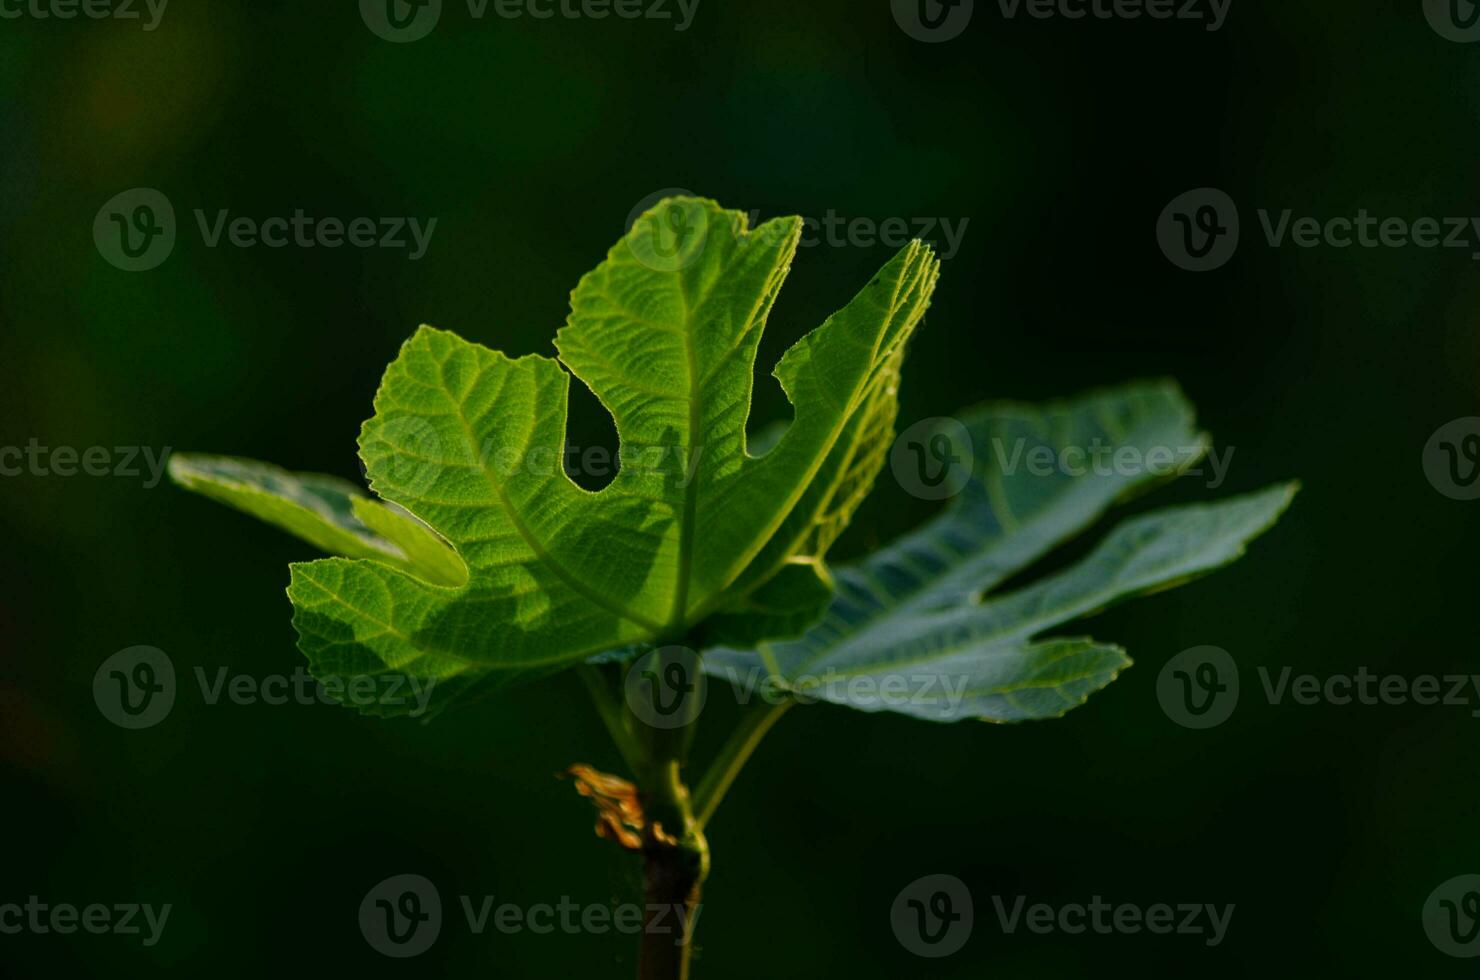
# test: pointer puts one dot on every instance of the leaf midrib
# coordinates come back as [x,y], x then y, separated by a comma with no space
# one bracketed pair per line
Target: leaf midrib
[679,618]
[895,307]
[691,488]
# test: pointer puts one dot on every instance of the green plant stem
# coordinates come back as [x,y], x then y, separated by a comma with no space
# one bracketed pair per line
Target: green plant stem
[733,755]
[675,852]
[675,862]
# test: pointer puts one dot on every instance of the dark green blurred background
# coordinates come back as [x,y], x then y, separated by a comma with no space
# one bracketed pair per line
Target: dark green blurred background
[531,141]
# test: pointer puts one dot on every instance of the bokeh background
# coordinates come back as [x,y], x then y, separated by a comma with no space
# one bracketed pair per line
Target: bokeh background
[531,141]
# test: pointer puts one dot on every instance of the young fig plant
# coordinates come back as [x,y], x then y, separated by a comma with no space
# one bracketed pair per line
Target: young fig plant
[478,562]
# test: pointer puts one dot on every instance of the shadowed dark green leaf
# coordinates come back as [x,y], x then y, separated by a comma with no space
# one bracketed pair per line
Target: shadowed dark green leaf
[912,629]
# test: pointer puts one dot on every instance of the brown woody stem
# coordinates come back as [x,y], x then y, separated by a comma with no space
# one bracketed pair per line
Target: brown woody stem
[675,863]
